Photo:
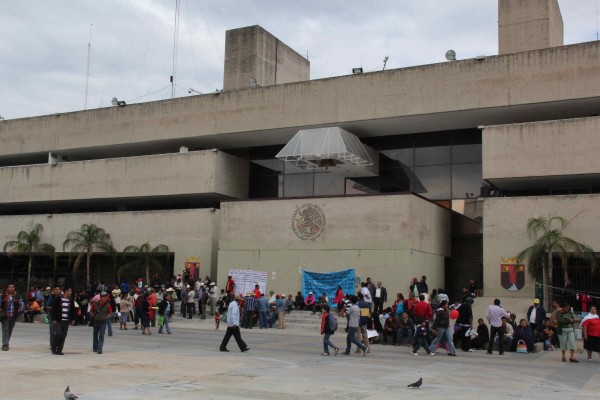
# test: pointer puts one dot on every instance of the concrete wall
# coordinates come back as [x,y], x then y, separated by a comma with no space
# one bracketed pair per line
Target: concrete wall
[564,147]
[525,25]
[570,72]
[389,238]
[253,53]
[188,233]
[162,175]
[504,231]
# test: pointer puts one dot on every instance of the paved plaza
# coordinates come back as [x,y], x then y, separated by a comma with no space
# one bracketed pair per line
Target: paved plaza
[281,364]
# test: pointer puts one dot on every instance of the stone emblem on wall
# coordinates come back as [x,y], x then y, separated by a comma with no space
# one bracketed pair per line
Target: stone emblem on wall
[512,275]
[308,221]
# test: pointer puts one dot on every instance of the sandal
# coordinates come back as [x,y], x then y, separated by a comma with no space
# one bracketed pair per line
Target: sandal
[573,360]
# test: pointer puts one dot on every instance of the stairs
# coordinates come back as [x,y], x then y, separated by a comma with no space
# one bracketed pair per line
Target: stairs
[303,320]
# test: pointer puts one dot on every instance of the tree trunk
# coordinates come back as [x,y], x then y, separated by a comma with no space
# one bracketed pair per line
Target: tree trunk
[29,266]
[548,282]
[566,279]
[89,256]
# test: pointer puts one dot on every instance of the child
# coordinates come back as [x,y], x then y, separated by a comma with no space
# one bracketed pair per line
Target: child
[217,319]
[421,338]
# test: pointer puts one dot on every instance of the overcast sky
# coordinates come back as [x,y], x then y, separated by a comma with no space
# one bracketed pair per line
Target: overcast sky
[44,44]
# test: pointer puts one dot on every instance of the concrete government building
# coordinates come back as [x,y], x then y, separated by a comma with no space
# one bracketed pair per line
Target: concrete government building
[428,170]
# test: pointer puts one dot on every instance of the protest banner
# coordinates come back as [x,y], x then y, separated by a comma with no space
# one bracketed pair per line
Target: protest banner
[327,282]
[245,279]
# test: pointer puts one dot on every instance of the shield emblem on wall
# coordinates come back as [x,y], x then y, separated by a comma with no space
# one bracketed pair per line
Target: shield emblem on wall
[512,277]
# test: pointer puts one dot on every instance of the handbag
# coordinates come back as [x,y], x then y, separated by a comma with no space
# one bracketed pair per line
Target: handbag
[521,347]
[470,333]
[161,320]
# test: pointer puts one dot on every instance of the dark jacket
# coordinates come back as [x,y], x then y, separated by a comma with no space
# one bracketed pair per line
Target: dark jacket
[408,324]
[465,314]
[4,305]
[383,294]
[540,315]
[56,312]
[162,306]
[442,318]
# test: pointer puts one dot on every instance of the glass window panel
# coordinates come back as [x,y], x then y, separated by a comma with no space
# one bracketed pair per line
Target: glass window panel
[405,156]
[466,153]
[432,155]
[466,179]
[328,184]
[298,185]
[433,182]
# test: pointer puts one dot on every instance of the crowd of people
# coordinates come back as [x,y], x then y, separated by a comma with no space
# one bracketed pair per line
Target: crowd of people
[421,320]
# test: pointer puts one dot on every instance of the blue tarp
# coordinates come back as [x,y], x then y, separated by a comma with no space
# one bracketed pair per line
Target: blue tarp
[327,283]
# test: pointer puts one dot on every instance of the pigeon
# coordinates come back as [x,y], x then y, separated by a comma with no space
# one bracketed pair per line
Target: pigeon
[417,384]
[69,395]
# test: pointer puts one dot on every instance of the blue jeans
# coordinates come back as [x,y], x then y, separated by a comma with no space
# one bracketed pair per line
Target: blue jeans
[99,330]
[405,332]
[327,343]
[109,324]
[262,319]
[446,335]
[421,342]
[166,326]
[351,338]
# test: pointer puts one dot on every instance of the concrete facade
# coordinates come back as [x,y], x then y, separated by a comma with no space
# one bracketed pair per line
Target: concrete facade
[188,233]
[505,235]
[525,25]
[542,149]
[500,89]
[203,172]
[253,53]
[412,237]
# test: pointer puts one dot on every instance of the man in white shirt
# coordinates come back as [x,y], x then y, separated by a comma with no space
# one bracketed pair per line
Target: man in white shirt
[190,304]
[494,315]
[233,326]
[366,294]
[213,297]
[380,297]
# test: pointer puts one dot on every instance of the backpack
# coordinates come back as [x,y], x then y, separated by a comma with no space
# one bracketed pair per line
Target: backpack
[332,322]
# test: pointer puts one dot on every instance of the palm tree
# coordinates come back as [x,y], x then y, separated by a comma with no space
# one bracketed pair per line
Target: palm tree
[29,243]
[84,242]
[147,256]
[549,239]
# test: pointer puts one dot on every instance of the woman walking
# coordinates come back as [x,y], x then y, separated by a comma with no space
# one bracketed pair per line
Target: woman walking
[163,314]
[566,333]
[591,332]
[328,329]
[145,314]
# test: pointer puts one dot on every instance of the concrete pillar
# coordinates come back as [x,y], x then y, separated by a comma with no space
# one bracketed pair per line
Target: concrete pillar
[525,25]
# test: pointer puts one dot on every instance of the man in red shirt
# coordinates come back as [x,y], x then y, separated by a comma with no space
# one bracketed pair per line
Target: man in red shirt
[257,293]
[422,310]
[230,285]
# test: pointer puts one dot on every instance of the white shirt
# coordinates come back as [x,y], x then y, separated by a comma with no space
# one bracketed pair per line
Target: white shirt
[214,292]
[532,316]
[233,314]
[367,294]
[377,292]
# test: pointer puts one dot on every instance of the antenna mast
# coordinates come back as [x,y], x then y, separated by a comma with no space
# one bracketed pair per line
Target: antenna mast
[175,39]
[87,75]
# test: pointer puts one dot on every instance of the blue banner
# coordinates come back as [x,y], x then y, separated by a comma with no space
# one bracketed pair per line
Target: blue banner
[327,283]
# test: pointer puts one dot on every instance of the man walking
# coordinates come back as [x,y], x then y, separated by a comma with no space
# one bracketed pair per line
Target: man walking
[233,326]
[380,297]
[494,315]
[353,314]
[9,310]
[63,313]
[100,312]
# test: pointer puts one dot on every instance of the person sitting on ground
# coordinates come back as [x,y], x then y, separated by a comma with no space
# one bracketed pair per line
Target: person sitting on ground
[390,328]
[547,335]
[32,308]
[523,332]
[405,328]
[323,301]
[299,302]
[483,336]
[289,304]
[310,301]
[508,332]
[339,298]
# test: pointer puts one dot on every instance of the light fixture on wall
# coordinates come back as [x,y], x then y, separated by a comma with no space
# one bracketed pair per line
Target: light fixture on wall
[118,103]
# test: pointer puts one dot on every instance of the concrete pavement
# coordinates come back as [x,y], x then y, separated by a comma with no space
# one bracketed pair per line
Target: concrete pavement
[282,364]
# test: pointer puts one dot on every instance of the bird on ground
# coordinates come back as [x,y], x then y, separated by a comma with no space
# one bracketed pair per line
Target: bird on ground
[69,395]
[417,384]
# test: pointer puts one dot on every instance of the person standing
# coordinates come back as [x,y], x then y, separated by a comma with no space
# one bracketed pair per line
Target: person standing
[250,306]
[63,314]
[380,297]
[52,299]
[190,303]
[441,325]
[99,314]
[327,330]
[353,314]
[591,332]
[280,307]
[566,332]
[10,304]
[367,298]
[202,301]
[125,305]
[536,315]
[263,308]
[465,322]
[233,326]
[494,316]
[213,297]
[230,285]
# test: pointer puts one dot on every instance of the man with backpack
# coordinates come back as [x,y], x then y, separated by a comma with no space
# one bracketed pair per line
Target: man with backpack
[328,328]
